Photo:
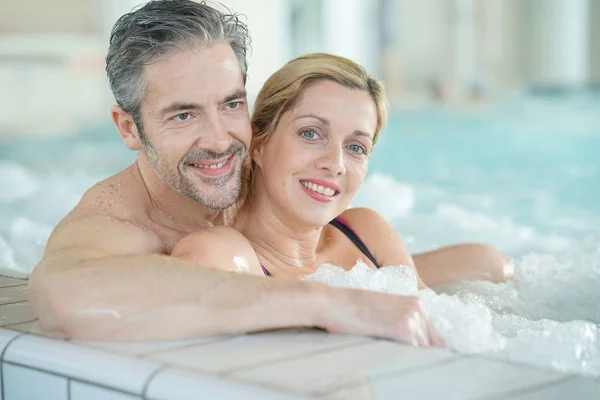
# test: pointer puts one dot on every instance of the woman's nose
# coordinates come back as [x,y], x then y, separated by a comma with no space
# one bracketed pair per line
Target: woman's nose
[332,160]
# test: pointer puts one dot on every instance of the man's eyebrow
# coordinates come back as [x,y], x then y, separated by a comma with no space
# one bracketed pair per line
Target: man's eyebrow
[179,106]
[325,121]
[238,94]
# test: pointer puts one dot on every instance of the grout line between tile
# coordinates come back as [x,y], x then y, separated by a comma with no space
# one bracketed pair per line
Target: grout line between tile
[294,357]
[14,302]
[68,388]
[210,374]
[79,380]
[13,285]
[185,346]
[8,326]
[388,374]
[2,364]
[151,378]
[528,389]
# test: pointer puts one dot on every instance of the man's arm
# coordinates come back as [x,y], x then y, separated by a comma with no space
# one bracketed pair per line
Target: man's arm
[104,279]
[99,281]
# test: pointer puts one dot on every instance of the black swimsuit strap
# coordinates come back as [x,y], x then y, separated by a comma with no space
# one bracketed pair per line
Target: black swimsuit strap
[346,230]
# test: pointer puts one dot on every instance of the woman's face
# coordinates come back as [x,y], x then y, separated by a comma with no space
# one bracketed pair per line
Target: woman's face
[317,158]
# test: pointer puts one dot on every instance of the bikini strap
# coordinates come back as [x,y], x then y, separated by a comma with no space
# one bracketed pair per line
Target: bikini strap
[339,223]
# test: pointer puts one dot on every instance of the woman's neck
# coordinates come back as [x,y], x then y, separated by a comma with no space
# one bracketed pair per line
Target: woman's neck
[280,243]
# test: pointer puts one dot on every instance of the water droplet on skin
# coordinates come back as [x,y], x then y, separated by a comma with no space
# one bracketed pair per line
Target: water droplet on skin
[241,264]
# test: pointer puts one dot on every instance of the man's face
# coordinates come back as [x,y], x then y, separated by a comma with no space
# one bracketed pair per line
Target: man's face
[196,126]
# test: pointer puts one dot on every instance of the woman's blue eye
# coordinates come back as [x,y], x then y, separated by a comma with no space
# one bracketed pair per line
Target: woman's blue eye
[357,149]
[309,134]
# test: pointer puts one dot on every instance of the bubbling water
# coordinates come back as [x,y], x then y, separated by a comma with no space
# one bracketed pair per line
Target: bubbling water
[510,321]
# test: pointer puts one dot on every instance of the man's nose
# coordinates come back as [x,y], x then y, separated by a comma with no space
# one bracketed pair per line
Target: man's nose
[215,135]
[332,159]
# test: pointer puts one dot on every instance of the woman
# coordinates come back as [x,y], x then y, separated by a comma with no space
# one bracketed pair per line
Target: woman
[315,124]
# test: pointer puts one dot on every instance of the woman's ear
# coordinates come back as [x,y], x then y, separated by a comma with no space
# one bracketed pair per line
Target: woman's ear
[256,147]
[257,155]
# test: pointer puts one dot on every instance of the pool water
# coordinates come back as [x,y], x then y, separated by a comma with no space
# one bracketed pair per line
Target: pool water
[523,174]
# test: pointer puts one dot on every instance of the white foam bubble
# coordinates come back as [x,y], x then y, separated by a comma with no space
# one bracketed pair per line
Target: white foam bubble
[393,199]
[33,202]
[16,182]
[508,321]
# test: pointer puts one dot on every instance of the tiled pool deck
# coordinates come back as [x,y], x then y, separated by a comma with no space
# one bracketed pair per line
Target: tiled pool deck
[286,364]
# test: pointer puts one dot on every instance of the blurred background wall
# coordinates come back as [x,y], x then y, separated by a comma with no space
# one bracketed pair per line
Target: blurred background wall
[52,52]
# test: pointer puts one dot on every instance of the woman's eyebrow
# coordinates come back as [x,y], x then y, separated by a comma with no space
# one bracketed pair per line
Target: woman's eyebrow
[323,120]
[362,133]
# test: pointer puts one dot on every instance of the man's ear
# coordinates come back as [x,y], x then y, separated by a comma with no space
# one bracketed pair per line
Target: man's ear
[126,127]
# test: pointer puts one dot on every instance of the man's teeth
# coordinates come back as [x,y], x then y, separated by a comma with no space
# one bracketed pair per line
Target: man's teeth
[212,166]
[318,188]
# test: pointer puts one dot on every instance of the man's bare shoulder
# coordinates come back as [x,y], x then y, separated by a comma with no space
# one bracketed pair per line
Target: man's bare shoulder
[109,212]
[120,196]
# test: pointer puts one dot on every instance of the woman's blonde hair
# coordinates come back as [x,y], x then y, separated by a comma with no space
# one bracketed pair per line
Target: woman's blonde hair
[285,87]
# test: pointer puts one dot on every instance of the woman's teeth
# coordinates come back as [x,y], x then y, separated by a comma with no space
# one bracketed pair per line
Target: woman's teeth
[318,188]
[211,166]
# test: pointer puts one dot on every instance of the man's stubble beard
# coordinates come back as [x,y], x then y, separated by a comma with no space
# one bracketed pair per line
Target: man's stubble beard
[212,198]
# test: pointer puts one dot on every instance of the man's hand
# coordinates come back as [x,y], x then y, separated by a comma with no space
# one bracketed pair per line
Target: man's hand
[399,318]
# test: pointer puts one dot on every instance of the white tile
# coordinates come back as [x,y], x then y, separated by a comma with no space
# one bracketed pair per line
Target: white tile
[15,313]
[247,350]
[175,384]
[574,388]
[360,392]
[6,281]
[324,373]
[465,378]
[83,363]
[84,391]
[6,336]
[23,383]
[13,294]
[363,391]
[143,348]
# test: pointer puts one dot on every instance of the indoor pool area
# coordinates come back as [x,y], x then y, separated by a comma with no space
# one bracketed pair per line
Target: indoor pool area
[521,174]
[492,139]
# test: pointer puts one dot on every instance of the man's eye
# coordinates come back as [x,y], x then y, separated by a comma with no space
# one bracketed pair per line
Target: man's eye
[233,105]
[182,117]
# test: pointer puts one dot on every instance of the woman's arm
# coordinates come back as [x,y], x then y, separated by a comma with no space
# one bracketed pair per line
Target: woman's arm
[381,239]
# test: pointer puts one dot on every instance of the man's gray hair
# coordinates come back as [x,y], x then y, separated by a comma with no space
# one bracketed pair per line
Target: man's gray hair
[157,30]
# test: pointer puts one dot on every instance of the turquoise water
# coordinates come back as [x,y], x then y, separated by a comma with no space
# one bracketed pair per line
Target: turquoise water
[522,174]
[527,163]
